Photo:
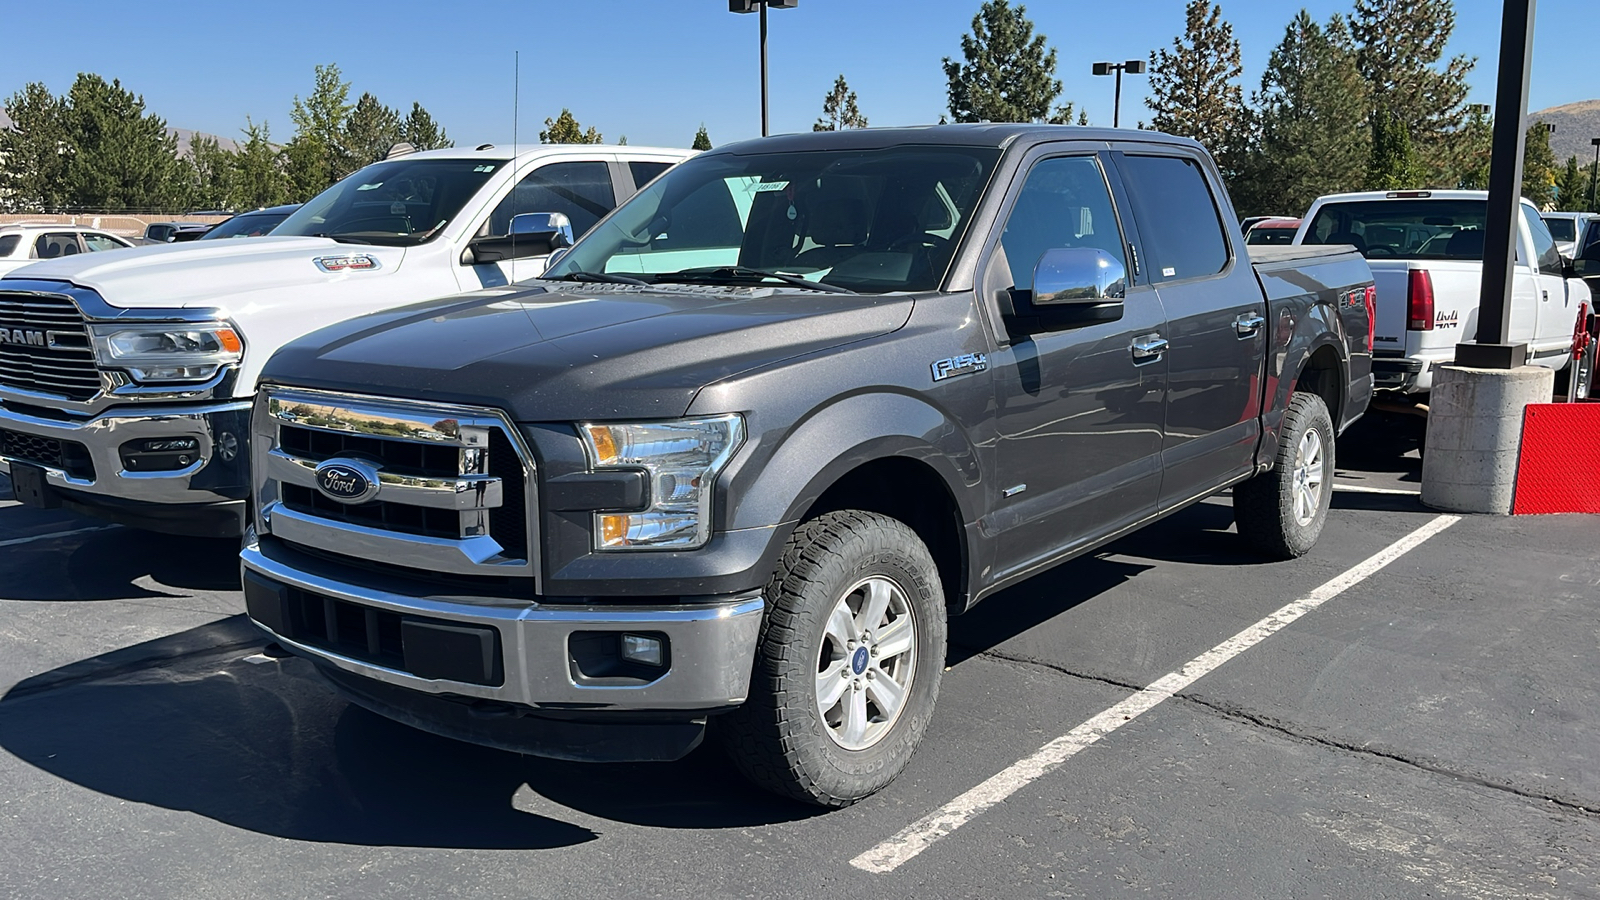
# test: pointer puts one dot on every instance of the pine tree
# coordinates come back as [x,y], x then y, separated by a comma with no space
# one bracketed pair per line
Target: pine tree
[258,176]
[1394,165]
[35,150]
[1194,86]
[315,155]
[1538,166]
[1471,149]
[1306,134]
[422,132]
[121,158]
[702,141]
[1009,74]
[564,129]
[839,109]
[211,173]
[1398,47]
[371,130]
[1572,187]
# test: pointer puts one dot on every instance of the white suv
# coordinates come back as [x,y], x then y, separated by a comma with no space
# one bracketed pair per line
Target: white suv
[23,244]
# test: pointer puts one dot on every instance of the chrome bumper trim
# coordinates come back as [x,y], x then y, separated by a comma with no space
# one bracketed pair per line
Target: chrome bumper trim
[712,643]
[464,556]
[459,493]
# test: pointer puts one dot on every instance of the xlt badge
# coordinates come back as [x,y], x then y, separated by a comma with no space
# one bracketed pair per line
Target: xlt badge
[965,364]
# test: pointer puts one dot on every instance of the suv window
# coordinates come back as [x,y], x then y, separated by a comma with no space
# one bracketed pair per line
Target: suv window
[1064,203]
[8,244]
[580,190]
[646,172]
[1544,246]
[100,242]
[1178,219]
[50,246]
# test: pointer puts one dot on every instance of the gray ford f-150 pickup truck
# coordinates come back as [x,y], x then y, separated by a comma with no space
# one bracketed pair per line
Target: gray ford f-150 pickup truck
[738,455]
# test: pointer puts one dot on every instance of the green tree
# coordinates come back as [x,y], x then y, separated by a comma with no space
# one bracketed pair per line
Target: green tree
[1538,166]
[1306,134]
[422,132]
[314,156]
[564,129]
[258,176]
[35,150]
[1009,73]
[1399,47]
[1394,165]
[1471,149]
[371,130]
[121,157]
[839,109]
[702,141]
[1572,187]
[1194,88]
[211,173]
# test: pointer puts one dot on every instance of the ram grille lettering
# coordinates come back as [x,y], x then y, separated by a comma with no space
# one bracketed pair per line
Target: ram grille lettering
[23,337]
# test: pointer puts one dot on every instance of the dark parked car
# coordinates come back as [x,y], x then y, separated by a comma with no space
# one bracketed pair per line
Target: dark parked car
[173,232]
[255,223]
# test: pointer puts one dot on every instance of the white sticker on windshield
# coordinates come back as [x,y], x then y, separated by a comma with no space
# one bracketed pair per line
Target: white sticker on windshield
[483,168]
[771,186]
[1169,271]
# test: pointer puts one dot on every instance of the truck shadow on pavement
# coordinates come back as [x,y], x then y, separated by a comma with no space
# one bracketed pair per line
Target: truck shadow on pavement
[190,723]
[116,564]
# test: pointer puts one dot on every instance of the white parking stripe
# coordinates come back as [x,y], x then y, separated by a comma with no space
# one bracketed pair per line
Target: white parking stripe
[919,835]
[55,534]
[1363,489]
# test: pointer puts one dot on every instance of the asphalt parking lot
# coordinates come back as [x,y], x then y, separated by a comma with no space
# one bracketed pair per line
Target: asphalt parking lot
[1423,728]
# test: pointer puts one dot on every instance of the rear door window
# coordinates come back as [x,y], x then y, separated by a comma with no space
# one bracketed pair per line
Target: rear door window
[581,191]
[1179,225]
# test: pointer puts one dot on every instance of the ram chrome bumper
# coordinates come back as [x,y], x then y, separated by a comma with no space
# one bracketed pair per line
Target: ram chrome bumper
[540,657]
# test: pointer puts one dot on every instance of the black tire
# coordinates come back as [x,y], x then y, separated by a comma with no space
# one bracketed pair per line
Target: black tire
[1265,507]
[780,738]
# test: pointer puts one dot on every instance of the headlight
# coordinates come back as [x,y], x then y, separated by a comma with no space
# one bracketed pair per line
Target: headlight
[683,459]
[162,353]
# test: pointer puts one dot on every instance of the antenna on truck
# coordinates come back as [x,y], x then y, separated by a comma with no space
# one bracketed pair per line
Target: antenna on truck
[516,109]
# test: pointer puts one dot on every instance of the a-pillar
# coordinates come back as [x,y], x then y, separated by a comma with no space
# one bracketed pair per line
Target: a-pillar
[1475,433]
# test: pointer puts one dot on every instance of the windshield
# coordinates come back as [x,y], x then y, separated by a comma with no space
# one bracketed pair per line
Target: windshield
[1409,229]
[247,225]
[866,220]
[1562,229]
[399,203]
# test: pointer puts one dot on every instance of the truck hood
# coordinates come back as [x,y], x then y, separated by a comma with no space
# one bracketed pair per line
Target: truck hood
[574,352]
[206,273]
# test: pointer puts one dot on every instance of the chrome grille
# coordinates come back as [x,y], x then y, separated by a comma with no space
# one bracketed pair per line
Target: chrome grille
[453,490]
[46,349]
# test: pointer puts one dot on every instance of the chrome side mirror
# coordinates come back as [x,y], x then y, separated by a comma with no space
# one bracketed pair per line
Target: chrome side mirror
[1078,276]
[556,226]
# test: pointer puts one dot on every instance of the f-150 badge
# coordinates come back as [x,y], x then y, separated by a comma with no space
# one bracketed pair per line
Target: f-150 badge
[965,364]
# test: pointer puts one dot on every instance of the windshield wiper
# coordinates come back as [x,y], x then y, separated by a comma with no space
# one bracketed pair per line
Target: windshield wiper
[598,278]
[731,273]
[341,238]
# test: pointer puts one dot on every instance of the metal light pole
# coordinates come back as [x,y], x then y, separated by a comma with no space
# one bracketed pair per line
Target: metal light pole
[749,6]
[1132,67]
[1594,175]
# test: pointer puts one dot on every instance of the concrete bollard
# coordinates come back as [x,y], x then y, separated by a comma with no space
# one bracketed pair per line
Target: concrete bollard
[1475,433]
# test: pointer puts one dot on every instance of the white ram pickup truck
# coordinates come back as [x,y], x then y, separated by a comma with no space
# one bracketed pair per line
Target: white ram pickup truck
[1425,249]
[126,379]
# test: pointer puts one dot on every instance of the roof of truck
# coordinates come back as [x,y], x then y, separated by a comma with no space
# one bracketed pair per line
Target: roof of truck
[998,135]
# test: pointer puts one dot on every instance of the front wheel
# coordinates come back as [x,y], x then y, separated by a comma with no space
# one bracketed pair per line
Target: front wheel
[1281,512]
[848,665]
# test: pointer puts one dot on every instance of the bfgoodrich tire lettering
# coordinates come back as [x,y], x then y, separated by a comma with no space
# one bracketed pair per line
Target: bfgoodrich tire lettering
[1281,512]
[800,733]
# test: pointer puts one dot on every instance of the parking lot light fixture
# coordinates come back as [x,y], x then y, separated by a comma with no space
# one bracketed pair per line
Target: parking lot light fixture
[750,6]
[1132,67]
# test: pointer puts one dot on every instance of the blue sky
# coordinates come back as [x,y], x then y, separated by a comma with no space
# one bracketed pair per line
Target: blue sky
[652,70]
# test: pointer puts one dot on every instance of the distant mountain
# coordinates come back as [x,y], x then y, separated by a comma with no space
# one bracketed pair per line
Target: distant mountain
[1576,125]
[183,135]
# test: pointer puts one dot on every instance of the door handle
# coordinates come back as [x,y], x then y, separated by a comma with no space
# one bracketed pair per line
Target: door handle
[1148,346]
[1248,324]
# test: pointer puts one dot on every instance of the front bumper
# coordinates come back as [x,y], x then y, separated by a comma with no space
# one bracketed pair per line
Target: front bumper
[83,460]
[525,655]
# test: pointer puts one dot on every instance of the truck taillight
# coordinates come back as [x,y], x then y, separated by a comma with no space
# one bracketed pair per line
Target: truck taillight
[1372,313]
[1419,314]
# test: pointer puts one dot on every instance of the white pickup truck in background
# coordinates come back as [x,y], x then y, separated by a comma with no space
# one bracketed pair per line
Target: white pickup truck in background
[1425,249]
[126,378]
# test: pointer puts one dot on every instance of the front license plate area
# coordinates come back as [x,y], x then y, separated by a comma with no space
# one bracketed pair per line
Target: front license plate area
[29,486]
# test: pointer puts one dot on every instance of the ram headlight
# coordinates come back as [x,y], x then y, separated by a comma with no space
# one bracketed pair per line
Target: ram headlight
[190,351]
[682,459]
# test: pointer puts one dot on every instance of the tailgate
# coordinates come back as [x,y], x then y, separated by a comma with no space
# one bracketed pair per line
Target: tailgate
[1393,280]
[1455,306]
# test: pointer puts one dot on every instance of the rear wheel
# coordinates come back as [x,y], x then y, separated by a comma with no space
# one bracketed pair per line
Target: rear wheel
[848,666]
[1281,512]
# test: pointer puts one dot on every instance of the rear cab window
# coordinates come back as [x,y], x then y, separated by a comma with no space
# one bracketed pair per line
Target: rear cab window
[1403,229]
[1179,223]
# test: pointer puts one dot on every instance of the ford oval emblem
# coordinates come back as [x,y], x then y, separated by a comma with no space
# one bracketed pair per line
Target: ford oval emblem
[347,480]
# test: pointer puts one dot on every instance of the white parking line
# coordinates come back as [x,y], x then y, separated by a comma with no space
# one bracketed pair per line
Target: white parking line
[1363,489]
[919,835]
[55,534]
